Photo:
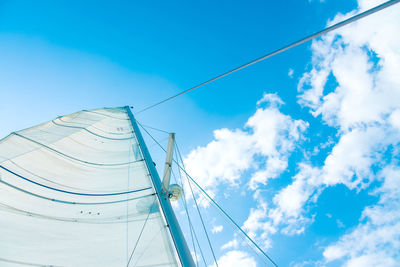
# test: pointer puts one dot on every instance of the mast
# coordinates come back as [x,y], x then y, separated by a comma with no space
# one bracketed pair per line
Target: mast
[168,163]
[173,225]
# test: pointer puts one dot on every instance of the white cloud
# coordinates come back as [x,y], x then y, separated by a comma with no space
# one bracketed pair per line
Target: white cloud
[290,201]
[366,93]
[272,100]
[364,108]
[231,244]
[263,145]
[340,224]
[364,58]
[351,158]
[377,241]
[262,148]
[236,258]
[217,229]
[290,73]
[256,223]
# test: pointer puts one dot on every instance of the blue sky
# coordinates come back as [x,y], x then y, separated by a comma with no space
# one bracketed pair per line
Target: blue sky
[302,149]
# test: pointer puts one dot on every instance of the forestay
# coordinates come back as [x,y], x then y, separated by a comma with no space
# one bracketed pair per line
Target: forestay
[75,191]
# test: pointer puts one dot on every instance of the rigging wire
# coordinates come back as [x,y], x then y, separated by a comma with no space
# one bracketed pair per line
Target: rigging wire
[183,200]
[234,228]
[197,207]
[191,225]
[154,128]
[161,140]
[280,50]
[198,210]
[227,215]
[198,245]
[215,203]
[229,222]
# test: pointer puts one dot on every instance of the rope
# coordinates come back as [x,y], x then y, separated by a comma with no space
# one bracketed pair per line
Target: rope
[280,50]
[216,204]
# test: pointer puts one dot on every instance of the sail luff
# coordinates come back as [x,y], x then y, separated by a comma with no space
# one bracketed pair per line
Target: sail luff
[176,232]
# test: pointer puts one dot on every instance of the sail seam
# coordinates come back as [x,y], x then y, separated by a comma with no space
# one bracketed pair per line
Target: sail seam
[68,156]
[83,128]
[109,220]
[69,202]
[70,192]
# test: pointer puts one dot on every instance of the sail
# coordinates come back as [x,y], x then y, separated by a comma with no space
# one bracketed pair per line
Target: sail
[76,191]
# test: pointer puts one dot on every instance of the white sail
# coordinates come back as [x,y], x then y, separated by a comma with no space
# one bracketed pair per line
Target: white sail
[76,191]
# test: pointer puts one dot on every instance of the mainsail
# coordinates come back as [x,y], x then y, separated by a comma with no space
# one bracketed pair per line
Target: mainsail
[77,191]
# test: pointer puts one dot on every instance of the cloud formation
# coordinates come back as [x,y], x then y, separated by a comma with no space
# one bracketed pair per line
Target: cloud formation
[263,145]
[236,258]
[353,86]
[364,59]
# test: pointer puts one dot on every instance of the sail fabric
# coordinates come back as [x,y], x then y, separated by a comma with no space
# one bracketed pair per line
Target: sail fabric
[76,191]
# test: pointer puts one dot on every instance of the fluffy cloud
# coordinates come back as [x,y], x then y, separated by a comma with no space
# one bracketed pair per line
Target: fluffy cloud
[236,258]
[217,229]
[377,241]
[231,244]
[364,59]
[263,146]
[354,87]
[256,223]
[290,200]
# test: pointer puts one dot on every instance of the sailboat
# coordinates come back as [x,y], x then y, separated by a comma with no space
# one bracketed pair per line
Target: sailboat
[82,190]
